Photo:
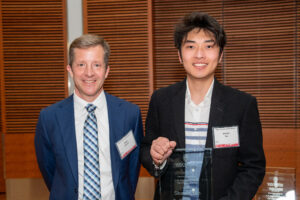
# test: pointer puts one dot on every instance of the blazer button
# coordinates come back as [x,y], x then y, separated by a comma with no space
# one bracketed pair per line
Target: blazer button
[75,190]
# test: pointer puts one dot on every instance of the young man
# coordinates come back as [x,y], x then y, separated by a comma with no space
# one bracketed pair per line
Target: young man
[87,145]
[197,112]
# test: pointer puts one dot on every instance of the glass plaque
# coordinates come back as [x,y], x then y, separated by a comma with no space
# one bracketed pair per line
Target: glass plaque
[187,175]
[278,184]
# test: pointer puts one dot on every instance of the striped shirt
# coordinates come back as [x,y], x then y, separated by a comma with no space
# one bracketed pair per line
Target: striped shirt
[196,125]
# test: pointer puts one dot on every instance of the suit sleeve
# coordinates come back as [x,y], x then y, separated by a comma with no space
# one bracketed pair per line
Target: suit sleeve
[152,132]
[44,153]
[135,165]
[251,158]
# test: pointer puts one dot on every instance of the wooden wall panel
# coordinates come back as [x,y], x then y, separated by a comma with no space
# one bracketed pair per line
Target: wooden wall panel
[297,63]
[34,60]
[260,56]
[297,89]
[2,111]
[124,25]
[20,156]
[1,73]
[280,147]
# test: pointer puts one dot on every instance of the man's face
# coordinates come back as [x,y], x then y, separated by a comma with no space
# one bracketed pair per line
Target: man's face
[200,55]
[88,72]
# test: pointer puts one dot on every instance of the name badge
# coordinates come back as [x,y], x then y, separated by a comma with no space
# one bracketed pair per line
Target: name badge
[126,144]
[225,137]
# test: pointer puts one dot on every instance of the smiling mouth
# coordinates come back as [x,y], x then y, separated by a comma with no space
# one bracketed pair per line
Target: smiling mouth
[199,65]
[89,81]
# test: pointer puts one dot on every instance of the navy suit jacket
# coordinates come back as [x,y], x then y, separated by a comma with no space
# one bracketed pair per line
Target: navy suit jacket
[56,148]
[236,172]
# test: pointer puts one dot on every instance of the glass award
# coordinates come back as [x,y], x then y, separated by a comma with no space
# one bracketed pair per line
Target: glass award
[278,184]
[188,175]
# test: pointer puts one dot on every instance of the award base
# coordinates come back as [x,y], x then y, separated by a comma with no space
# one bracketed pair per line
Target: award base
[188,175]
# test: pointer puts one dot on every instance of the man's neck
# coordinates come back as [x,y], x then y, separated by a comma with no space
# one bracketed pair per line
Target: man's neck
[198,89]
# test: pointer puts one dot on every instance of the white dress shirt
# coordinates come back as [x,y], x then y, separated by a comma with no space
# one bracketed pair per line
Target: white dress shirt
[200,112]
[107,187]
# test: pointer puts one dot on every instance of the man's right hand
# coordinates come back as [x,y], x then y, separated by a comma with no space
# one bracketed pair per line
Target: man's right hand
[161,149]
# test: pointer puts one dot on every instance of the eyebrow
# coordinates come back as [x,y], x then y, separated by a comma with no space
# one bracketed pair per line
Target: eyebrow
[206,41]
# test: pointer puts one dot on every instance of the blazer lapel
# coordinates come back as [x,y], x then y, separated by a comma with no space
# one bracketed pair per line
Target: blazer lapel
[178,107]
[116,122]
[215,118]
[216,112]
[65,118]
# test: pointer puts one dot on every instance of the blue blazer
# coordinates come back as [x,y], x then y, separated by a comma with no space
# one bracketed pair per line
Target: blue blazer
[56,149]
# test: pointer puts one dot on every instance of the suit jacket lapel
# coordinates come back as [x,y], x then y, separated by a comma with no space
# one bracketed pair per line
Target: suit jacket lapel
[178,106]
[65,118]
[116,121]
[216,112]
[215,119]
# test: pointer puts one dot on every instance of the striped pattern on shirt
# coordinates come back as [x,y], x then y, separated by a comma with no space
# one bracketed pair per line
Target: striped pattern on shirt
[195,135]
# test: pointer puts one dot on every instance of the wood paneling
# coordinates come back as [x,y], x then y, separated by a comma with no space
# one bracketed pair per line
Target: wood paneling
[297,90]
[124,25]
[1,74]
[260,56]
[280,147]
[2,109]
[20,156]
[297,63]
[34,60]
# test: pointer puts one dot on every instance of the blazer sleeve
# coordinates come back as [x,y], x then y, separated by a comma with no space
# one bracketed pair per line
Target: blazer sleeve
[152,132]
[251,158]
[134,167]
[43,149]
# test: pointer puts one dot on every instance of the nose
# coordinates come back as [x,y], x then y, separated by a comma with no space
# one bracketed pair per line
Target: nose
[199,52]
[89,71]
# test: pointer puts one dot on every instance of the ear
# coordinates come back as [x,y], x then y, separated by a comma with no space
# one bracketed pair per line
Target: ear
[107,71]
[179,57]
[69,69]
[221,57]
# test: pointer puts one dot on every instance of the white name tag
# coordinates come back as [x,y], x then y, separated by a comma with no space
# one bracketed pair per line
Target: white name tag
[226,137]
[126,144]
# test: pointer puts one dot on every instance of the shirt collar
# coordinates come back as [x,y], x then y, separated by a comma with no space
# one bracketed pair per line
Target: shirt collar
[81,104]
[207,98]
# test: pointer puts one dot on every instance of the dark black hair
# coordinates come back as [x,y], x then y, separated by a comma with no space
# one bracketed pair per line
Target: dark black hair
[202,21]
